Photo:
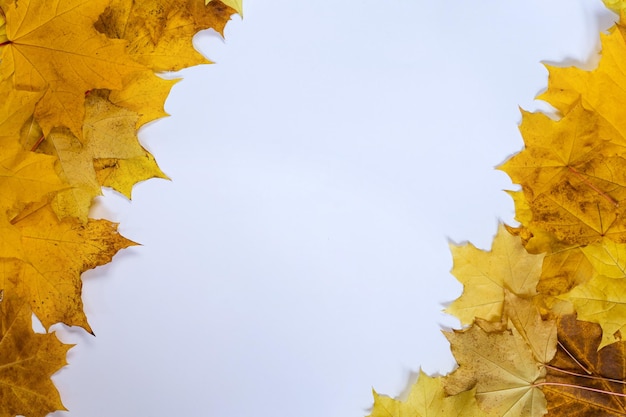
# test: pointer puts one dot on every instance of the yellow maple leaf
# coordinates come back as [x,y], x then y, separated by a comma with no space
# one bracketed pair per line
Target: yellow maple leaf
[599,90]
[616,5]
[235,4]
[573,174]
[602,298]
[107,154]
[160,32]
[486,275]
[16,108]
[144,94]
[27,361]
[564,265]
[54,254]
[501,367]
[25,178]
[427,399]
[539,333]
[53,47]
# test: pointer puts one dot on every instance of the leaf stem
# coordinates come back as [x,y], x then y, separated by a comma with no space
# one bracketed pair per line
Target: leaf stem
[573,358]
[36,145]
[617,381]
[559,384]
[593,187]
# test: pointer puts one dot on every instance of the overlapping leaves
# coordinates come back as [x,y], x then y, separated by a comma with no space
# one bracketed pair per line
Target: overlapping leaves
[77,78]
[545,309]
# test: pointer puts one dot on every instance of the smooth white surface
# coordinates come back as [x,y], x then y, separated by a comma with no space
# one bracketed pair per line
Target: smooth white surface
[299,256]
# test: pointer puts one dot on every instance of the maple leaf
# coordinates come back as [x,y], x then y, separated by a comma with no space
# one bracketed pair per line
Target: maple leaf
[160,32]
[427,399]
[616,5]
[76,97]
[54,48]
[502,368]
[16,108]
[27,361]
[602,299]
[572,176]
[235,4]
[582,380]
[599,90]
[144,94]
[564,265]
[486,275]
[107,154]
[540,334]
[53,254]
[25,178]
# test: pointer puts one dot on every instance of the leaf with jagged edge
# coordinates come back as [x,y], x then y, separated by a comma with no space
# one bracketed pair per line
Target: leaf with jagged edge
[54,48]
[108,154]
[53,255]
[27,361]
[145,93]
[485,275]
[573,175]
[602,300]
[501,367]
[564,265]
[427,399]
[160,32]
[583,379]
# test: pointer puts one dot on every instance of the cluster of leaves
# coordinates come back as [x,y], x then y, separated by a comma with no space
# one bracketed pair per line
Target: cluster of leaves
[544,312]
[79,78]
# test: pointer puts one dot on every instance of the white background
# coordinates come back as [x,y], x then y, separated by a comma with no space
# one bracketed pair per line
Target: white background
[299,256]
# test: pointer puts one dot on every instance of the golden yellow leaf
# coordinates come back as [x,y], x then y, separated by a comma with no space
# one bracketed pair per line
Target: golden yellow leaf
[573,175]
[501,367]
[54,254]
[16,108]
[25,178]
[564,265]
[616,5]
[3,28]
[53,47]
[599,90]
[602,300]
[27,361]
[145,94]
[160,32]
[427,399]
[485,275]
[235,4]
[107,154]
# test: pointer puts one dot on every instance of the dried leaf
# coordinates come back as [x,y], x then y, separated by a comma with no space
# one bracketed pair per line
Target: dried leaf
[501,367]
[486,275]
[427,399]
[27,361]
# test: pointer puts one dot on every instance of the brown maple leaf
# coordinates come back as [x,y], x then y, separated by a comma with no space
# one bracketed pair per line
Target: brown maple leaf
[582,380]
